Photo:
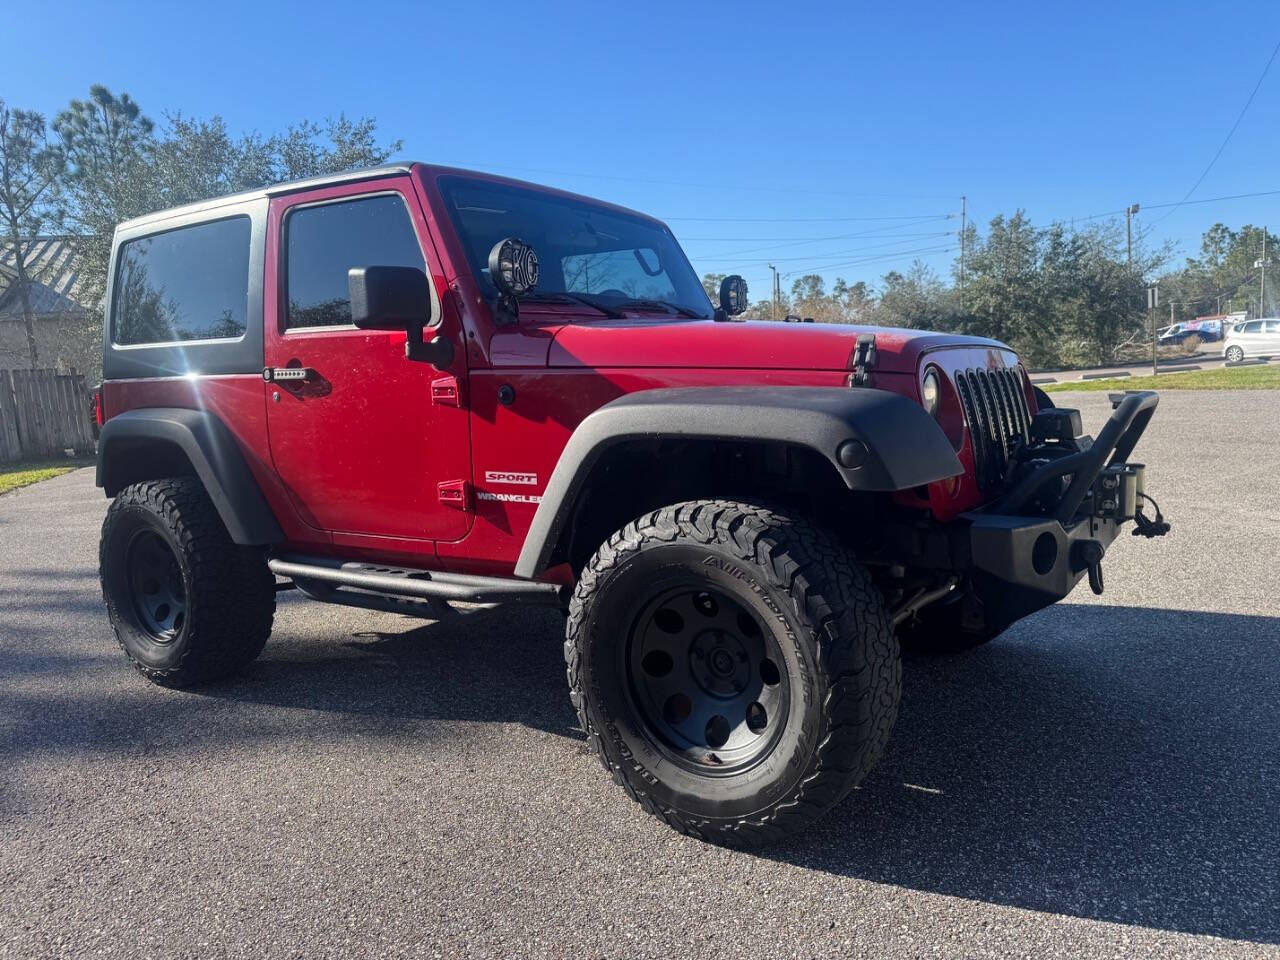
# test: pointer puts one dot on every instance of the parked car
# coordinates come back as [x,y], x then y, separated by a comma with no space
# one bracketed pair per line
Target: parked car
[399,388]
[1253,338]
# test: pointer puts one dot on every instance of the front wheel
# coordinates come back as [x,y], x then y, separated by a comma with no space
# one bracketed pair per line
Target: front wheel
[1234,354]
[735,671]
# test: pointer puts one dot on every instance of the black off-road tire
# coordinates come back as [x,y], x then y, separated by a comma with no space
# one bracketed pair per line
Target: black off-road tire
[841,668]
[228,592]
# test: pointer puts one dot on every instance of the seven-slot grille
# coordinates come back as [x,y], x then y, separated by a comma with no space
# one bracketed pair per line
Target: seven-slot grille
[995,407]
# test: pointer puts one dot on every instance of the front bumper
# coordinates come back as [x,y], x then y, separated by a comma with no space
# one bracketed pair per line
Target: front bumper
[1023,562]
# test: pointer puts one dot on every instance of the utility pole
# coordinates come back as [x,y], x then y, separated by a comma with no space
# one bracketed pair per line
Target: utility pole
[1262,280]
[962,225]
[1153,301]
[1129,211]
[777,293]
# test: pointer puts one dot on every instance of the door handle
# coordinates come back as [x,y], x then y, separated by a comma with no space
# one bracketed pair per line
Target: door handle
[277,374]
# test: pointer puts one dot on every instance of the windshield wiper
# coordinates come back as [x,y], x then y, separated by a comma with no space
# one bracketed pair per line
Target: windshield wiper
[558,297]
[663,305]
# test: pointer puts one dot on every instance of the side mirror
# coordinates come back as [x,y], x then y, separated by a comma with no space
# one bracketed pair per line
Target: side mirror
[397,298]
[733,295]
[389,298]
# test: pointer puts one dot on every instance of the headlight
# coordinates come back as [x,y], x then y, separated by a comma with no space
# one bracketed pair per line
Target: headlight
[931,392]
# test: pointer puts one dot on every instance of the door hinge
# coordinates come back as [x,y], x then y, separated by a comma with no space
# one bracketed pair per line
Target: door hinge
[447,392]
[455,493]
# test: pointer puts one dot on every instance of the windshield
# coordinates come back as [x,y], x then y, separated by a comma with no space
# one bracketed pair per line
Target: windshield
[585,251]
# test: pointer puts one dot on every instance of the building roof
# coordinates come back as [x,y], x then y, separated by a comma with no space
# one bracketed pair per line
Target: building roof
[56,279]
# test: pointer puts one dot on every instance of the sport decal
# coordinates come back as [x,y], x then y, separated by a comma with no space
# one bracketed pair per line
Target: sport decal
[511,476]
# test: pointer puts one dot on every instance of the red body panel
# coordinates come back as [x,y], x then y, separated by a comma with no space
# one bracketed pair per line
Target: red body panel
[363,449]
[354,462]
[240,403]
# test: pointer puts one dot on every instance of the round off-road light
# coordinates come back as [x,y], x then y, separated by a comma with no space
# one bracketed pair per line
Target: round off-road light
[931,392]
[513,267]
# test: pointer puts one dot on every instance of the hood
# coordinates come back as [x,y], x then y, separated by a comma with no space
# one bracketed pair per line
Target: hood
[755,344]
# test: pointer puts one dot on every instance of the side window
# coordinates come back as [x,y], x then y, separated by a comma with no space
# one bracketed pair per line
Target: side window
[1272,326]
[324,241]
[636,274]
[1253,326]
[191,283]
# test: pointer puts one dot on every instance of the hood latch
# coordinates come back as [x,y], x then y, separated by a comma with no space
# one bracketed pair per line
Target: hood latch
[864,360]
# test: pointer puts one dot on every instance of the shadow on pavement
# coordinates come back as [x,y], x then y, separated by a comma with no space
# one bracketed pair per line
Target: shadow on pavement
[1112,763]
[488,665]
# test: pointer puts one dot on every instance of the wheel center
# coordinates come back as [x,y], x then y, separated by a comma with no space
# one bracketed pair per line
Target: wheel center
[719,663]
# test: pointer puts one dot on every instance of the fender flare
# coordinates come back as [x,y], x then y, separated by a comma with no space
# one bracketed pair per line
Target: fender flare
[212,452]
[904,446]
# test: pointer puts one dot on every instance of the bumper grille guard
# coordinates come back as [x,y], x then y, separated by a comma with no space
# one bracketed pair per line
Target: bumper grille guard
[995,407]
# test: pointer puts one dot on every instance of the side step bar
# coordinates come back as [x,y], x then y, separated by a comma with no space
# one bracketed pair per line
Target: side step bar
[419,584]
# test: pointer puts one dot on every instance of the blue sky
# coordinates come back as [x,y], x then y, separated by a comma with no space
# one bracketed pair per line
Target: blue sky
[710,114]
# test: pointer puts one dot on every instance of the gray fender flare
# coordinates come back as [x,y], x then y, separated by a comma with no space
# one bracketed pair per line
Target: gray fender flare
[905,447]
[129,439]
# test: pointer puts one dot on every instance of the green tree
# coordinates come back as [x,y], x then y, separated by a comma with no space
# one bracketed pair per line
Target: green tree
[29,167]
[308,150]
[1224,277]
[120,165]
[107,144]
[711,284]
[917,298]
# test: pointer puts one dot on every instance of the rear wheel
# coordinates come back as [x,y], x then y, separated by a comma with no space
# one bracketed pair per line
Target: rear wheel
[187,605]
[1234,354]
[735,671]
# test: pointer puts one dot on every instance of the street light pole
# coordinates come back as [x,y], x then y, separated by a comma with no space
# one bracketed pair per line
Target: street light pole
[1262,279]
[1129,211]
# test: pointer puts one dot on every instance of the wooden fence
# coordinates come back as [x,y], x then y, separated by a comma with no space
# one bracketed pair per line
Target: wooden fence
[43,414]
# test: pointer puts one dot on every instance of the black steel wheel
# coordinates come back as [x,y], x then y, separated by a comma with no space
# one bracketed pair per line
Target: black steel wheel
[707,678]
[735,670]
[156,589]
[186,604]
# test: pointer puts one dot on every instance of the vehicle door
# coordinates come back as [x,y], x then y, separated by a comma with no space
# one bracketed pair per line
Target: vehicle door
[1271,338]
[1250,338]
[370,443]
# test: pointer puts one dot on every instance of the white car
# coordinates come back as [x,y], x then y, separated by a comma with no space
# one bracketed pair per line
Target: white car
[1253,338]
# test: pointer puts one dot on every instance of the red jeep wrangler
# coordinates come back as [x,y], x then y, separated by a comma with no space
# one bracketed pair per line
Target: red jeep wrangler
[403,387]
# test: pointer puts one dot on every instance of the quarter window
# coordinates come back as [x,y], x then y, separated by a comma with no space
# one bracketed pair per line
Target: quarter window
[186,284]
[323,242]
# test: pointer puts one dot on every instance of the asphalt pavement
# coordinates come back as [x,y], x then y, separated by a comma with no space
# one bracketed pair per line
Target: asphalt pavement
[1100,782]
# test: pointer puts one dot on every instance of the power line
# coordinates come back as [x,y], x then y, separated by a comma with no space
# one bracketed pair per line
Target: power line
[947,216]
[833,255]
[801,243]
[1178,203]
[798,240]
[1230,133]
[896,255]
